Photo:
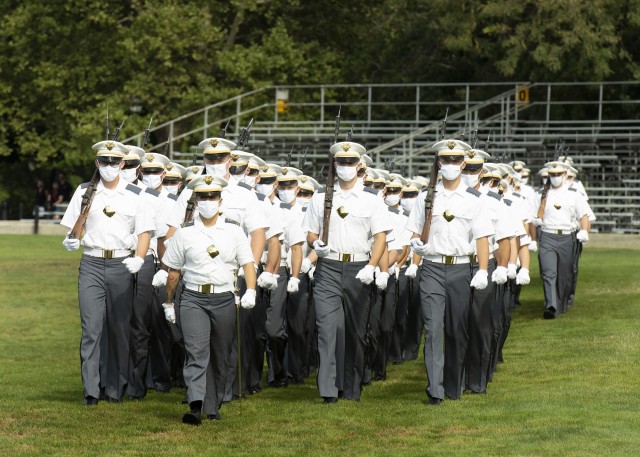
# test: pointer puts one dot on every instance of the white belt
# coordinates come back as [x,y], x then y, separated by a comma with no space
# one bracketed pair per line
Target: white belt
[209,288]
[451,259]
[343,257]
[108,253]
[558,231]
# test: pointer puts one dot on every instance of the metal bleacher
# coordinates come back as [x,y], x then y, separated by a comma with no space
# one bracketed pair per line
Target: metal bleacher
[597,120]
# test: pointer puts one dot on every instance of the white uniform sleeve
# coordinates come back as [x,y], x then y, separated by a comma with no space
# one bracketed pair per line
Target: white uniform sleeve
[174,256]
[253,216]
[73,210]
[416,216]
[312,217]
[144,218]
[243,248]
[380,220]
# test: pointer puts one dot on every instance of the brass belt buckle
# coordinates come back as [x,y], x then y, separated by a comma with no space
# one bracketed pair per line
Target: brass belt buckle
[346,258]
[449,260]
[206,288]
[559,232]
[472,258]
[107,254]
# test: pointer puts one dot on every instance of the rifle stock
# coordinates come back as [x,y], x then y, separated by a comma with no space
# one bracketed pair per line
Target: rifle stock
[328,195]
[87,199]
[429,200]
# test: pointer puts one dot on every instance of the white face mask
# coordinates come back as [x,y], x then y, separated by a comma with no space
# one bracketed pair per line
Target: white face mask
[517,176]
[219,169]
[556,180]
[235,179]
[129,174]
[360,181]
[484,188]
[109,173]
[264,189]
[450,171]
[524,181]
[470,180]
[392,200]
[208,208]
[250,180]
[172,189]
[346,173]
[287,196]
[304,202]
[407,203]
[152,181]
[544,181]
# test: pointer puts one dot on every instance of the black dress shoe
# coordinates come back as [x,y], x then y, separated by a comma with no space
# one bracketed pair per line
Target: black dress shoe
[191,418]
[330,400]
[90,401]
[255,389]
[136,397]
[214,417]
[435,401]
[549,313]
[113,400]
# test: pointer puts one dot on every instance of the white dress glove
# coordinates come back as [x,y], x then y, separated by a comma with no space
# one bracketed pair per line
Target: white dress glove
[392,270]
[499,276]
[418,247]
[306,266]
[268,281]
[71,244]
[133,264]
[160,279]
[311,272]
[512,271]
[381,280]
[533,246]
[248,300]
[292,285]
[412,271]
[523,277]
[169,312]
[582,236]
[480,280]
[366,274]
[321,250]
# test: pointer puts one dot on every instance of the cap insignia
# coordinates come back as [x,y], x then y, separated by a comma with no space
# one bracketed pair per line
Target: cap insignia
[471,154]
[208,179]
[169,166]
[109,145]
[392,178]
[149,157]
[235,157]
[213,251]
[451,144]
[346,147]
[108,211]
[264,168]
[303,179]
[213,142]
[554,164]
[448,216]
[195,170]
[285,170]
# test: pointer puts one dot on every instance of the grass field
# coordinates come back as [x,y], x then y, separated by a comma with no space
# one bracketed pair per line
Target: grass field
[568,387]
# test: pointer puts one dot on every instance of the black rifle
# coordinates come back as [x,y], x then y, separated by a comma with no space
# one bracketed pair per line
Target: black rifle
[443,126]
[244,136]
[223,132]
[147,133]
[106,126]
[116,135]
[328,193]
[302,158]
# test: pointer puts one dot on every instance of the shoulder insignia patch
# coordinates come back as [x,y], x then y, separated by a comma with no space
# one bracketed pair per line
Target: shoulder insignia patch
[135,189]
[187,224]
[151,191]
[260,197]
[371,190]
[304,210]
[173,197]
[507,201]
[393,210]
[406,213]
[573,189]
[473,192]
[494,195]
[84,185]
[516,194]
[231,221]
[245,185]
[285,206]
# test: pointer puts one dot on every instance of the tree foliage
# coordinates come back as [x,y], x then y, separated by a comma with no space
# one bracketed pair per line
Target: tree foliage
[64,61]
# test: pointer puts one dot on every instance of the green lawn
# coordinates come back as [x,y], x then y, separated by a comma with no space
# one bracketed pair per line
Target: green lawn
[568,387]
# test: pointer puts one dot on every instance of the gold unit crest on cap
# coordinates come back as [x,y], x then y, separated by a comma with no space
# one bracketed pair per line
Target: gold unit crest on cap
[109,145]
[208,179]
[149,157]
[285,170]
[346,147]
[265,168]
[235,157]
[554,164]
[451,144]
[169,166]
[303,179]
[213,142]
[471,154]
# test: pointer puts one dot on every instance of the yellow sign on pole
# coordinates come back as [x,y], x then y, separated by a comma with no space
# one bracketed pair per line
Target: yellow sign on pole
[282,105]
[522,95]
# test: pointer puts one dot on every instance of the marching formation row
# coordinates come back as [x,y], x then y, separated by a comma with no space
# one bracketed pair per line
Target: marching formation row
[194,286]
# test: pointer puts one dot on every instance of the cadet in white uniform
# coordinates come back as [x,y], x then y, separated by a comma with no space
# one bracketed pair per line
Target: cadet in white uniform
[559,210]
[106,281]
[457,223]
[344,273]
[208,251]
